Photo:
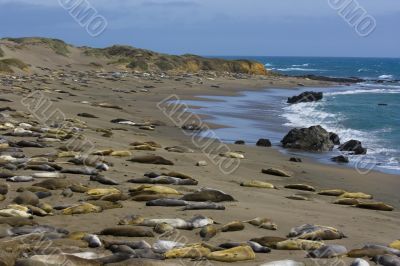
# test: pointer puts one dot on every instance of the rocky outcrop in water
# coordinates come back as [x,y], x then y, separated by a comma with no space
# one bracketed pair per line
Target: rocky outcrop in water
[305,97]
[354,147]
[314,139]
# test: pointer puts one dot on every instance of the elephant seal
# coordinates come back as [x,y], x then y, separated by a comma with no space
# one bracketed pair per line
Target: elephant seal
[240,253]
[132,244]
[82,209]
[203,206]
[347,201]
[164,229]
[56,259]
[388,249]
[105,205]
[283,263]
[81,171]
[163,246]
[26,198]
[298,244]
[395,244]
[30,144]
[359,262]
[153,189]
[310,232]
[328,251]
[233,226]
[103,180]
[151,159]
[367,252]
[138,253]
[356,195]
[127,232]
[17,221]
[208,194]
[196,251]
[18,179]
[53,184]
[386,260]
[332,192]
[257,248]
[93,240]
[100,192]
[257,184]
[233,155]
[264,223]
[301,187]
[275,172]
[208,232]
[169,180]
[268,241]
[48,175]
[167,202]
[378,206]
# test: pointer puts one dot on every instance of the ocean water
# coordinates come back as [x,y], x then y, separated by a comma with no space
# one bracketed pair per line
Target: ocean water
[366,68]
[368,111]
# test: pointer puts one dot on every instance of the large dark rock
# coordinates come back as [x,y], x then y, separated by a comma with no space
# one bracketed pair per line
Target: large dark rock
[353,146]
[340,159]
[305,97]
[314,139]
[334,138]
[264,143]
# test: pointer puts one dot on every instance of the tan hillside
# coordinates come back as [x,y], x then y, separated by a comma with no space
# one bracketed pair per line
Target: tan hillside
[39,53]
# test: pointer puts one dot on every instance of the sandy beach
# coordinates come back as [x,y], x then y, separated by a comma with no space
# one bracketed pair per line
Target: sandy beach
[360,226]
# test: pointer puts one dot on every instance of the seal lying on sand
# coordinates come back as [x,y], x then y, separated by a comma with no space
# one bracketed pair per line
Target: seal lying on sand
[387,260]
[257,248]
[169,180]
[208,194]
[379,206]
[127,231]
[359,262]
[329,251]
[309,231]
[196,221]
[166,202]
[257,184]
[268,241]
[151,159]
[240,253]
[298,244]
[264,223]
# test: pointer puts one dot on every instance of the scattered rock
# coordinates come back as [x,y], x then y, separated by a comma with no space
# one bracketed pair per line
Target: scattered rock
[315,139]
[353,146]
[264,143]
[305,97]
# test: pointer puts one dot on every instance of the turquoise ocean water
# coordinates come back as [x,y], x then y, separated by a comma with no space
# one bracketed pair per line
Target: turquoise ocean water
[367,111]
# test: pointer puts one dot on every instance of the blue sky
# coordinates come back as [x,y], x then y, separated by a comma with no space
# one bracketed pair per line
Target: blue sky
[214,27]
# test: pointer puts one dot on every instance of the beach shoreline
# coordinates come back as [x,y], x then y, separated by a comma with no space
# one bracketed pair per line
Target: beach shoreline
[361,226]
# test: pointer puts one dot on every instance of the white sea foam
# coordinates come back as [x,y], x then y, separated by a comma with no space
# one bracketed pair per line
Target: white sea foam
[268,65]
[298,69]
[302,65]
[386,77]
[311,114]
[361,91]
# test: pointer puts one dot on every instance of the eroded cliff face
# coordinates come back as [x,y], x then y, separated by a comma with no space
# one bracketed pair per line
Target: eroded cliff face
[119,57]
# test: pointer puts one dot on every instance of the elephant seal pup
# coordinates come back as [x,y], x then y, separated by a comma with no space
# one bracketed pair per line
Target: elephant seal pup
[257,248]
[82,208]
[264,223]
[203,206]
[208,194]
[168,180]
[17,221]
[275,172]
[347,201]
[132,244]
[48,175]
[103,180]
[162,246]
[57,259]
[388,249]
[151,159]
[80,171]
[268,241]
[126,231]
[167,202]
[208,232]
[328,251]
[283,263]
[300,187]
[356,195]
[92,240]
[26,198]
[153,189]
[378,206]
[386,260]
[298,244]
[359,262]
[195,251]
[18,179]
[240,253]
[310,232]
[138,253]
[257,184]
[332,192]
[233,226]
[367,252]
[395,244]
[164,229]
